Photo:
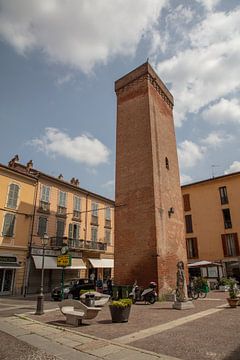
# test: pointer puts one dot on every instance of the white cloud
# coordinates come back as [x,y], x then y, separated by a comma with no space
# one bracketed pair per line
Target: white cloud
[223,112]
[209,4]
[209,67]
[64,79]
[216,139]
[82,148]
[189,154]
[78,33]
[234,167]
[184,179]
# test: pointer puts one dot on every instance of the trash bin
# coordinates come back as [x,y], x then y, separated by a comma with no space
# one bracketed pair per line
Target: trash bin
[90,300]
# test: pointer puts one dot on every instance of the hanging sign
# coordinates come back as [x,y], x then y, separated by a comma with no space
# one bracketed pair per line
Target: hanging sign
[64,260]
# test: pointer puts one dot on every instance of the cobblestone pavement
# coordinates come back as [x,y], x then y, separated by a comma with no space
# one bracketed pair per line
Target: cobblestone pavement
[209,331]
[14,349]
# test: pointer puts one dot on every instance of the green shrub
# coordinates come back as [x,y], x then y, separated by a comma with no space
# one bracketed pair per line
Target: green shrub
[233,291]
[200,282]
[224,281]
[122,303]
[86,291]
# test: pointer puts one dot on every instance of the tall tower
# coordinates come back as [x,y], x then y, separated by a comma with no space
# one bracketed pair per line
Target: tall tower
[149,228]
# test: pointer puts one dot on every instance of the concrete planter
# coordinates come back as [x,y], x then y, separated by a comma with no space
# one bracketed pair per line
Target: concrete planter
[119,314]
[233,302]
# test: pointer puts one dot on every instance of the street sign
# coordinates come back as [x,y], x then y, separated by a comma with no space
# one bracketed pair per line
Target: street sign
[64,260]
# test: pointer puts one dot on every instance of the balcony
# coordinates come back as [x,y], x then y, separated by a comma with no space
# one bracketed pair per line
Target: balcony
[94,220]
[78,244]
[108,224]
[61,211]
[76,215]
[44,207]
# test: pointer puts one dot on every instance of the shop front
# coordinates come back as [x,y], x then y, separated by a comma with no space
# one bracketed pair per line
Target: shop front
[8,266]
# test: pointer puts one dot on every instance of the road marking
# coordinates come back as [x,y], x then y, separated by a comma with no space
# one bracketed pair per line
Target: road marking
[127,339]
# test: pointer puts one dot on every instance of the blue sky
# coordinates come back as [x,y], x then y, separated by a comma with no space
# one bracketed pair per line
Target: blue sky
[59,60]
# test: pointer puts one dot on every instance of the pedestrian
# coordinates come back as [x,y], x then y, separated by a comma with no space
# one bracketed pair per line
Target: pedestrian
[109,286]
[99,285]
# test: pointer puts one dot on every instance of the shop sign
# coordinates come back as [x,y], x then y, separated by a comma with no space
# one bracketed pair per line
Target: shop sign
[37,251]
[64,260]
[8,259]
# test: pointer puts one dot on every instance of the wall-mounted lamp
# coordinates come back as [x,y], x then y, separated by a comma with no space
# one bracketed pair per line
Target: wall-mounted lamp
[170,211]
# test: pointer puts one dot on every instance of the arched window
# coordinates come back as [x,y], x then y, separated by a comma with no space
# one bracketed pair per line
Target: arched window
[13,196]
[167,163]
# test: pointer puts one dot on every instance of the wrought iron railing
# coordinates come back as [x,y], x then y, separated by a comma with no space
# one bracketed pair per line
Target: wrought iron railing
[77,243]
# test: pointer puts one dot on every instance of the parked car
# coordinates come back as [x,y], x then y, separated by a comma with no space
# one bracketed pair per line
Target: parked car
[71,289]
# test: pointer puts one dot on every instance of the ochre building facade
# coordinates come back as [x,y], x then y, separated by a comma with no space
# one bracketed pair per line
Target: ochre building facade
[34,205]
[211,210]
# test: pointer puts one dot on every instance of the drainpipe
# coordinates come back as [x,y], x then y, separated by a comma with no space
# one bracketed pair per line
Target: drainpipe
[28,259]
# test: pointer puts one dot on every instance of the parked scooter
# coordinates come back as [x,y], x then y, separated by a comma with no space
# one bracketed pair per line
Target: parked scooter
[148,295]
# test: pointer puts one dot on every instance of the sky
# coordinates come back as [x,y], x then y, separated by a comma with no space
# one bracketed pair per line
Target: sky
[59,60]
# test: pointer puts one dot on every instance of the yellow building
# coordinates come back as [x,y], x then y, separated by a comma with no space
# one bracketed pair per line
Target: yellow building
[69,216]
[16,210]
[211,210]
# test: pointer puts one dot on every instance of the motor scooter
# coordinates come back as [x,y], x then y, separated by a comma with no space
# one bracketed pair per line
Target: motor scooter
[148,295]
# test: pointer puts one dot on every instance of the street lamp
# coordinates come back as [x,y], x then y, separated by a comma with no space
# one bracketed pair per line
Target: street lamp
[40,298]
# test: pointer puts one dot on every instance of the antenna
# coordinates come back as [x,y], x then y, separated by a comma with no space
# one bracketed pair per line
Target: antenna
[213,167]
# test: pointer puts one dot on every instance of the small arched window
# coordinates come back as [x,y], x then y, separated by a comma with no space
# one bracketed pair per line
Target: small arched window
[167,163]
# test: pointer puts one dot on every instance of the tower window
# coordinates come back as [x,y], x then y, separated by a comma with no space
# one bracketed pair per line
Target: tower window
[167,163]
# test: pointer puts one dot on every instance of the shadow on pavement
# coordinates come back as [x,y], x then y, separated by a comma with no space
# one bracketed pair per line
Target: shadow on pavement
[235,354]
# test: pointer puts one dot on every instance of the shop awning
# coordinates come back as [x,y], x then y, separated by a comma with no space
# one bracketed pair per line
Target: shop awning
[102,263]
[203,263]
[50,262]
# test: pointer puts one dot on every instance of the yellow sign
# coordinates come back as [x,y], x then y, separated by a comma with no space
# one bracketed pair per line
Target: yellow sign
[64,260]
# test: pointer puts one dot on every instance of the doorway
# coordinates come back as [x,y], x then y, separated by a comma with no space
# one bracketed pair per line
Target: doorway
[6,281]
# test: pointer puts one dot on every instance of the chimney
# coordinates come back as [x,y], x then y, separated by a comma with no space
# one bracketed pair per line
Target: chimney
[72,181]
[77,182]
[29,165]
[13,161]
[60,177]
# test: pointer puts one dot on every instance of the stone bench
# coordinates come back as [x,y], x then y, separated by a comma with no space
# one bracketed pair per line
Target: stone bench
[75,311]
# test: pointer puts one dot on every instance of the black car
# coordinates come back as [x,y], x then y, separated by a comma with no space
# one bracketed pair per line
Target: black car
[71,289]
[81,284]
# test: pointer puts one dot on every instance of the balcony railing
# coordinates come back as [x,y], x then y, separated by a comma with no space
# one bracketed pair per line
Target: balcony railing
[108,223]
[44,207]
[78,244]
[61,211]
[76,215]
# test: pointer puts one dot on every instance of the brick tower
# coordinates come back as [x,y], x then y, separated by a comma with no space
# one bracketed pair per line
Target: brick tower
[149,228]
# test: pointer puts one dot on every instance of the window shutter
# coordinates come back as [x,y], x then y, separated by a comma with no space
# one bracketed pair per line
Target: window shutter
[195,247]
[70,231]
[186,202]
[236,243]
[13,196]
[77,231]
[224,245]
[8,226]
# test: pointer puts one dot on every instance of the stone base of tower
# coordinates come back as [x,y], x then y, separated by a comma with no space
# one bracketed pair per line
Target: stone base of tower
[183,305]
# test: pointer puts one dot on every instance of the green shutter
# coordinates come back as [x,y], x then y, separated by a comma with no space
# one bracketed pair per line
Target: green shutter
[8,226]
[13,196]
[70,231]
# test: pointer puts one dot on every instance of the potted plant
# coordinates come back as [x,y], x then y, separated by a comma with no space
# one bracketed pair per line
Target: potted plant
[233,294]
[224,284]
[120,310]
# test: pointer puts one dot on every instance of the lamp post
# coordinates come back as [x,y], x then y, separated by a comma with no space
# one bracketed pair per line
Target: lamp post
[40,298]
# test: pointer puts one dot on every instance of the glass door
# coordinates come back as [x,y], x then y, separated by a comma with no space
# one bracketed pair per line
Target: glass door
[6,281]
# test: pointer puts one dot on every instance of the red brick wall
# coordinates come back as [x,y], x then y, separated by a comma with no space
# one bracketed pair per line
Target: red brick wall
[148,243]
